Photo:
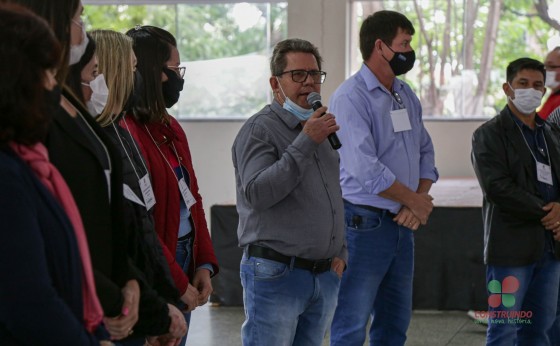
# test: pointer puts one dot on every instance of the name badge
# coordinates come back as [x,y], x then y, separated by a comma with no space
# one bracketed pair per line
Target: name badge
[544,173]
[400,120]
[130,195]
[147,192]
[186,193]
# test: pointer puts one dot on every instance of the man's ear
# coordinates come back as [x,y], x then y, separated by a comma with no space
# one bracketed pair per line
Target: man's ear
[507,89]
[378,45]
[273,84]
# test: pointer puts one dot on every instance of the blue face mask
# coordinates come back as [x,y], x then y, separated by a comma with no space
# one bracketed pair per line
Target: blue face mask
[299,112]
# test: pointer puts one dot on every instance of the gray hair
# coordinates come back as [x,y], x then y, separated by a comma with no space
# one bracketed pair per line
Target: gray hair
[278,61]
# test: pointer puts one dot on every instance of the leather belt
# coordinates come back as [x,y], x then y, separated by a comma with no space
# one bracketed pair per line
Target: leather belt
[316,267]
[374,209]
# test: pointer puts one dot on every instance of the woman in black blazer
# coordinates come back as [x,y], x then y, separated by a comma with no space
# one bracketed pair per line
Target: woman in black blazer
[92,168]
[46,286]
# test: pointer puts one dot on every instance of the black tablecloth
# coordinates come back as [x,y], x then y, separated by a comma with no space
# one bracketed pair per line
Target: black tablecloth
[449,273]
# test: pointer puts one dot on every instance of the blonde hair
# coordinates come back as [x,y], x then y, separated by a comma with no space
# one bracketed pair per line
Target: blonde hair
[114,53]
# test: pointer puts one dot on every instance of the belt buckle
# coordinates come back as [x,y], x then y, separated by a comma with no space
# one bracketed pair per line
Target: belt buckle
[320,266]
[314,270]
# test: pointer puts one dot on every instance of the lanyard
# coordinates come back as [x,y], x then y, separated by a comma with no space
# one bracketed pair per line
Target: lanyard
[126,152]
[529,147]
[165,158]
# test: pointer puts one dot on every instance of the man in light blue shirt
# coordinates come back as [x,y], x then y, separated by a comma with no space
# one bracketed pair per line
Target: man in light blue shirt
[386,171]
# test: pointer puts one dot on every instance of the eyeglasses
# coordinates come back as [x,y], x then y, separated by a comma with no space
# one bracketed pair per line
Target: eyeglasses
[300,76]
[180,70]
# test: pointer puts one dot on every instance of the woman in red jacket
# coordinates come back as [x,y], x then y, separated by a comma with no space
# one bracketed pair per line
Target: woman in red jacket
[178,211]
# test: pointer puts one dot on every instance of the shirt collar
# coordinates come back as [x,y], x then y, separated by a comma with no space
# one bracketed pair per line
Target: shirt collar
[287,118]
[372,82]
[538,121]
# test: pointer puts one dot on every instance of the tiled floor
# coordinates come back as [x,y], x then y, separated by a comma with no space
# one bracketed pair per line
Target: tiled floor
[220,326]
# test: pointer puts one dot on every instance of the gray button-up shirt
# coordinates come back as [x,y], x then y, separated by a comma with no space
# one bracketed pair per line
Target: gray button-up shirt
[288,190]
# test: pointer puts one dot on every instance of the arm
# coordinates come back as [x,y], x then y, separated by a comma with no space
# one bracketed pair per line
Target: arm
[359,142]
[489,159]
[374,177]
[420,204]
[205,254]
[267,173]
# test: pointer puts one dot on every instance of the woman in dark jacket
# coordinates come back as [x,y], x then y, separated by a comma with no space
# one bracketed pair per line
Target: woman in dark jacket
[113,91]
[92,168]
[47,294]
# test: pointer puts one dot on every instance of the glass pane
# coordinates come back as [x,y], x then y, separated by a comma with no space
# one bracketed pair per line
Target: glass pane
[463,47]
[225,48]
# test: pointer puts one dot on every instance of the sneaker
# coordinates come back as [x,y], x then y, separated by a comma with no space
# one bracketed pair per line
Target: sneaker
[478,320]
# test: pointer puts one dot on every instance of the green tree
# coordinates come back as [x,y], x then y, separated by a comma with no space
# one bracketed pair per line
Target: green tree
[464,46]
[208,33]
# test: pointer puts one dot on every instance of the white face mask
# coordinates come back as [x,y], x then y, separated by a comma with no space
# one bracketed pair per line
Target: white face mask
[99,95]
[526,100]
[76,52]
[551,81]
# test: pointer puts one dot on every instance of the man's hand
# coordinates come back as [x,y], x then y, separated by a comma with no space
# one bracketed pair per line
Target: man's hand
[552,219]
[418,202]
[319,126]
[421,206]
[203,284]
[338,266]
[190,298]
[406,218]
[121,326]
[556,234]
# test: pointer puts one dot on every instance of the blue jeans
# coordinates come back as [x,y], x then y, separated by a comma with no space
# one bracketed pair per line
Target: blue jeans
[285,305]
[183,256]
[377,282]
[554,333]
[537,294]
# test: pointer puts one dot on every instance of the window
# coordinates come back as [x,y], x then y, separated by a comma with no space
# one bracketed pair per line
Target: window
[224,45]
[463,47]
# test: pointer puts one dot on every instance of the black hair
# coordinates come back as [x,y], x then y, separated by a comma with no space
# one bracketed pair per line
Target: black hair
[383,25]
[59,14]
[152,47]
[27,50]
[523,64]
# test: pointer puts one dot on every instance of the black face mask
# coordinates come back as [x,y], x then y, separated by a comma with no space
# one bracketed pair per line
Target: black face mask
[402,62]
[136,94]
[171,88]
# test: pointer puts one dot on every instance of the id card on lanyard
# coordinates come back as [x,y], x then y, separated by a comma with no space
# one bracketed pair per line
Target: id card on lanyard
[544,173]
[147,191]
[186,193]
[400,120]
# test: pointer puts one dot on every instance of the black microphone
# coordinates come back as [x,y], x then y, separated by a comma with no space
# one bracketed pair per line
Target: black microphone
[314,99]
